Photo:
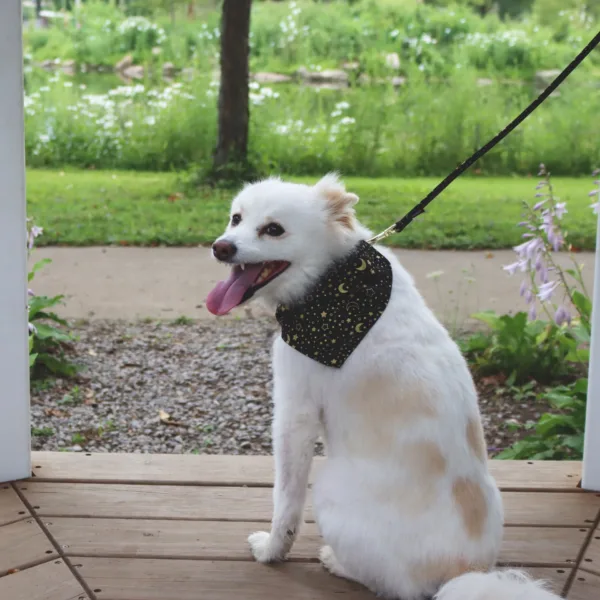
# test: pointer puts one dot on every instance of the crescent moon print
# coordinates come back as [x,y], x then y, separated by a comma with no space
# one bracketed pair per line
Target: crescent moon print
[352,305]
[330,322]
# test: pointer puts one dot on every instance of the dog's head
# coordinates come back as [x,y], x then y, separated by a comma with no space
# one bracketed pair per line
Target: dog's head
[280,238]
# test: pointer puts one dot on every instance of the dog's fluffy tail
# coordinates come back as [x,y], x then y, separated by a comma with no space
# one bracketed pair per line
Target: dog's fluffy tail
[498,585]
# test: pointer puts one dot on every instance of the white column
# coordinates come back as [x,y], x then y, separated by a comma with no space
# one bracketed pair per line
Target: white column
[591,451]
[14,353]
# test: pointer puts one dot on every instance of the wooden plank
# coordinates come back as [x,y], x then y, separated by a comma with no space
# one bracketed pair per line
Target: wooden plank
[137,579]
[201,540]
[11,507]
[50,581]
[585,587]
[150,501]
[544,546]
[591,558]
[255,504]
[142,579]
[255,470]
[556,508]
[221,540]
[23,544]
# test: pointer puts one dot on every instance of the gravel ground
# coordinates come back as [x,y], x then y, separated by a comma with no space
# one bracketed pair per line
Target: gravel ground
[191,387]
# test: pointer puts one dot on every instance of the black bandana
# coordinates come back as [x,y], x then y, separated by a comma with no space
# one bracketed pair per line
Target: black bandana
[341,308]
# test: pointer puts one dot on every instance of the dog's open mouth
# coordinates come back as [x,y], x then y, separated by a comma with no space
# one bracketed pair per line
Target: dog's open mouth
[243,283]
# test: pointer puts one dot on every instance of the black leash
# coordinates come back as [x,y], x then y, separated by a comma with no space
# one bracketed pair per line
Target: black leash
[419,209]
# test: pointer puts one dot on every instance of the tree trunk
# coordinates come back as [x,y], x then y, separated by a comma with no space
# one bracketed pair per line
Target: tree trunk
[38,8]
[231,153]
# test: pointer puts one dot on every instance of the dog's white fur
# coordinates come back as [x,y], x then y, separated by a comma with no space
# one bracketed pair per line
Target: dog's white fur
[404,501]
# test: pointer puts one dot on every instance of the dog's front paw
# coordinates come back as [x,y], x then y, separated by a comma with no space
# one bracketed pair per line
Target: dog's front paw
[262,548]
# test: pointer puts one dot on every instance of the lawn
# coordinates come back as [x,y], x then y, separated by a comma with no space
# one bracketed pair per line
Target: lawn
[132,208]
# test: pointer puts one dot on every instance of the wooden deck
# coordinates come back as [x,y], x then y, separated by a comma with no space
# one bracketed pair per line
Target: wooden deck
[154,527]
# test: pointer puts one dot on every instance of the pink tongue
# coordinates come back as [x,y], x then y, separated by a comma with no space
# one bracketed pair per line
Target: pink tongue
[228,294]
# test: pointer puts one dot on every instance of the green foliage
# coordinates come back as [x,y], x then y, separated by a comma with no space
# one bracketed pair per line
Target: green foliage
[557,435]
[128,208]
[42,431]
[48,333]
[521,349]
[422,129]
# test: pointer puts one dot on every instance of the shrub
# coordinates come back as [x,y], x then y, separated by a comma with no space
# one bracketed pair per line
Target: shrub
[47,335]
[557,435]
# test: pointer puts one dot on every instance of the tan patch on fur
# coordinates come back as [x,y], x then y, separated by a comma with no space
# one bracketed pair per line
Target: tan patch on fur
[384,407]
[425,464]
[426,458]
[340,209]
[440,571]
[476,439]
[472,505]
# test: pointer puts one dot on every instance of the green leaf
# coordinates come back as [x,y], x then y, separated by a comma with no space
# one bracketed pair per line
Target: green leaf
[32,360]
[583,304]
[47,332]
[550,424]
[38,265]
[581,386]
[575,442]
[51,316]
[58,366]
[489,317]
[39,303]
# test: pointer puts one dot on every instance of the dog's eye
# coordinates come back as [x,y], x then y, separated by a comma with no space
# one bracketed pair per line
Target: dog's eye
[236,219]
[274,230]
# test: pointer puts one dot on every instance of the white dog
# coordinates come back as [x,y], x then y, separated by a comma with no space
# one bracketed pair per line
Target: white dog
[404,501]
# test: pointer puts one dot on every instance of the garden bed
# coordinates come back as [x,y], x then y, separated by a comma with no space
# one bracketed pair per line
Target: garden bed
[188,387]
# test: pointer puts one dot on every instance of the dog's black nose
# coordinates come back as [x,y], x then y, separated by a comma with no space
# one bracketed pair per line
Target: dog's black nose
[224,251]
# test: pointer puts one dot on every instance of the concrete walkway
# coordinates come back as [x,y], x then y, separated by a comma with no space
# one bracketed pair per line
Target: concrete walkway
[130,283]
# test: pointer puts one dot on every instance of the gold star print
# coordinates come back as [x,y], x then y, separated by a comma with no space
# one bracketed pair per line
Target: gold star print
[323,314]
[334,362]
[295,337]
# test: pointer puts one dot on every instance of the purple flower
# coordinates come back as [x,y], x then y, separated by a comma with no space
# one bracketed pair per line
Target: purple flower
[540,185]
[34,232]
[532,313]
[527,250]
[529,297]
[546,290]
[514,267]
[595,172]
[594,193]
[523,288]
[560,209]
[539,204]
[32,328]
[542,170]
[555,238]
[562,316]
[596,207]
[30,293]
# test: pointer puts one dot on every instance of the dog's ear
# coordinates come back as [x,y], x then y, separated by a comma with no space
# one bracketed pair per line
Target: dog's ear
[339,202]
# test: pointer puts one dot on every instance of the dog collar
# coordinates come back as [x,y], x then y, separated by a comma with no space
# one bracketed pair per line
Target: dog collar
[339,311]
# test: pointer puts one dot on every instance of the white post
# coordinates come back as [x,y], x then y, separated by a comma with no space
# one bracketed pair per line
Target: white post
[591,450]
[14,353]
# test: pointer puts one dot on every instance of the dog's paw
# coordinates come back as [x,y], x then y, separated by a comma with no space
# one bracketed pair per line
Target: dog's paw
[330,562]
[262,550]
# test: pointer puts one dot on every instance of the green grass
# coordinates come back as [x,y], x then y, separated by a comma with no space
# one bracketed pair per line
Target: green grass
[101,207]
